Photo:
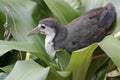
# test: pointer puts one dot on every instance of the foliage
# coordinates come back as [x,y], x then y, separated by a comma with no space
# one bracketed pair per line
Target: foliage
[83,64]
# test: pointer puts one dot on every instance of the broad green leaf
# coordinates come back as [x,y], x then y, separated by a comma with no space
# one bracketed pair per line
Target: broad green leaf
[2,21]
[80,62]
[42,9]
[101,74]
[62,10]
[111,66]
[2,75]
[63,58]
[90,4]
[28,70]
[21,21]
[76,4]
[101,70]
[7,69]
[61,75]
[111,46]
[27,13]
[6,46]
[65,73]
[95,65]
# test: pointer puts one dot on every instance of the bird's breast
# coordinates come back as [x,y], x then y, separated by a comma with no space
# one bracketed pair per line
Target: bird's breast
[49,45]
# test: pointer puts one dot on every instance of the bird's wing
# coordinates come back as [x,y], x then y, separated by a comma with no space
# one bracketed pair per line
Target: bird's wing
[91,27]
[105,17]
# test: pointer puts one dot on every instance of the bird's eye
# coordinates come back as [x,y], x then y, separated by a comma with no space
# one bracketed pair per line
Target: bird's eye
[43,27]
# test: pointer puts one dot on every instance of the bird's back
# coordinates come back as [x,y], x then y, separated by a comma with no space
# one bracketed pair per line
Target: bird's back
[89,28]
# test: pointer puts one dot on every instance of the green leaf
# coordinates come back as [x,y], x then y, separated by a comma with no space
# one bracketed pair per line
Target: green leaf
[90,4]
[6,46]
[74,3]
[111,66]
[21,21]
[42,9]
[101,74]
[7,69]
[95,65]
[1,26]
[80,61]
[28,70]
[111,46]
[27,13]
[61,9]
[61,75]
[63,58]
[2,76]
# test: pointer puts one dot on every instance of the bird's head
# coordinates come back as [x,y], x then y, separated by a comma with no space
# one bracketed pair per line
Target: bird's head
[46,26]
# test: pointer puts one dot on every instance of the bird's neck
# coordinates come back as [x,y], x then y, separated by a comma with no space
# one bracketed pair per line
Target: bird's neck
[61,33]
[60,37]
[49,45]
[53,37]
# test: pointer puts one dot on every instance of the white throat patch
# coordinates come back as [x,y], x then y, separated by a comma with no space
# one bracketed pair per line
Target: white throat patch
[49,45]
[50,34]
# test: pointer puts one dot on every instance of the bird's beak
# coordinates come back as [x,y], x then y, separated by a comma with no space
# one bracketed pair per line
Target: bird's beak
[34,31]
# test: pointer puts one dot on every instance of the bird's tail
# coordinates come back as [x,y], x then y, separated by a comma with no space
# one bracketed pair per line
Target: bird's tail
[107,16]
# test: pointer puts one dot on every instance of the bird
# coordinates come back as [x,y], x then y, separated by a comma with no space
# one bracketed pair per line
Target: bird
[89,28]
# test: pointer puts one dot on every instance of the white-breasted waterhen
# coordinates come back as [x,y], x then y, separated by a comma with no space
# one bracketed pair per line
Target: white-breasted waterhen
[89,28]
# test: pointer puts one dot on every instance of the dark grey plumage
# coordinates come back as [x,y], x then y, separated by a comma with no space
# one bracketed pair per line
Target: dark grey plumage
[89,28]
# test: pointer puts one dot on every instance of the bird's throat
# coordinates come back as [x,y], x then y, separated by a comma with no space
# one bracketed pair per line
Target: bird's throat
[49,45]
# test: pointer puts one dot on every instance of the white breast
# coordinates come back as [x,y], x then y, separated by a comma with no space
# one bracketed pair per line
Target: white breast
[49,45]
